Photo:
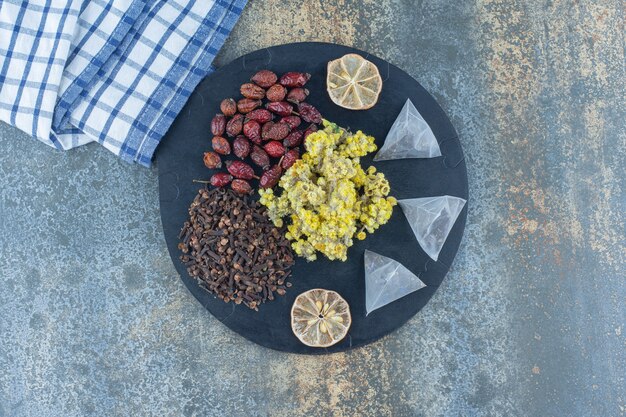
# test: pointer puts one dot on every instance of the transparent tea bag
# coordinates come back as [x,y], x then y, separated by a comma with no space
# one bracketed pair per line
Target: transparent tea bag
[386,280]
[431,219]
[409,137]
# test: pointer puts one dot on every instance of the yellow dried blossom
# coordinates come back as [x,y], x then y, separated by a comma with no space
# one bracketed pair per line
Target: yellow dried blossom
[327,195]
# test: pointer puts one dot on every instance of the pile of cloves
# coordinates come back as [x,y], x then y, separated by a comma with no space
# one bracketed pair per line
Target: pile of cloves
[234,250]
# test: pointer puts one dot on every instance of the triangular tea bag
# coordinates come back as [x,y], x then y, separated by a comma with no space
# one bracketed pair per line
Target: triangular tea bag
[386,280]
[431,219]
[409,137]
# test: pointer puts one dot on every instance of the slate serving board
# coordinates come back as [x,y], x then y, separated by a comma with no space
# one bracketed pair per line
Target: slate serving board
[179,161]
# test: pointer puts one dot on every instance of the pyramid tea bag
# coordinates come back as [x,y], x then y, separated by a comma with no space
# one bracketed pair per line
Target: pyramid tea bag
[386,280]
[431,219]
[409,137]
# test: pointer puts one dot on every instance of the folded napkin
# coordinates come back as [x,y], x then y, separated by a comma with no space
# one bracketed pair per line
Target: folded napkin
[112,71]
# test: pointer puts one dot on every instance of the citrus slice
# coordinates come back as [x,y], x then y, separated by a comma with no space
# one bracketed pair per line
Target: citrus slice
[320,318]
[353,82]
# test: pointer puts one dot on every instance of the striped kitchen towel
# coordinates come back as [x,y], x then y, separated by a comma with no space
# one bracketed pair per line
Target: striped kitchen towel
[112,71]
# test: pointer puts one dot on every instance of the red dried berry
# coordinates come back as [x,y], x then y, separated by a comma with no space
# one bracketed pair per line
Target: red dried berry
[234,126]
[252,130]
[220,179]
[228,106]
[212,160]
[292,121]
[253,91]
[264,78]
[297,95]
[294,79]
[241,186]
[290,158]
[309,113]
[294,139]
[246,105]
[274,149]
[218,124]
[281,108]
[260,115]
[260,157]
[241,170]
[270,177]
[275,131]
[241,147]
[220,145]
[265,128]
[312,128]
[276,92]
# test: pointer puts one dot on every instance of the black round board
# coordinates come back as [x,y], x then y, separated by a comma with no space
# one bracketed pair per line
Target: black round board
[179,161]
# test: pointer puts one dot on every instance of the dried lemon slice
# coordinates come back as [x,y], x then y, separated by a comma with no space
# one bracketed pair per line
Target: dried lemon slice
[353,82]
[320,318]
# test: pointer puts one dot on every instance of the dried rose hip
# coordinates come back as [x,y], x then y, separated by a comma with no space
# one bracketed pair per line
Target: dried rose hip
[266,128]
[260,157]
[241,147]
[246,105]
[253,91]
[281,108]
[292,121]
[294,139]
[264,78]
[274,149]
[309,113]
[294,79]
[212,160]
[297,95]
[234,126]
[220,179]
[270,177]
[275,131]
[220,145]
[312,128]
[276,92]
[241,186]
[252,130]
[260,115]
[218,124]
[228,106]
[290,158]
[240,170]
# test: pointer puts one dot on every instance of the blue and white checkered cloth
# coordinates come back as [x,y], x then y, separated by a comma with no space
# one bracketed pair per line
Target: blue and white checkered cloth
[112,71]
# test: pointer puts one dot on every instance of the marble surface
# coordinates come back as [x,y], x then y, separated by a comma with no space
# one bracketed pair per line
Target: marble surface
[530,320]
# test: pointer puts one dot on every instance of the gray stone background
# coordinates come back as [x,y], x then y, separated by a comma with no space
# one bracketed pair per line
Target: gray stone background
[529,322]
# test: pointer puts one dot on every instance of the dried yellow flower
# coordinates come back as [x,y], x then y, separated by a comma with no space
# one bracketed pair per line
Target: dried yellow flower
[328,196]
